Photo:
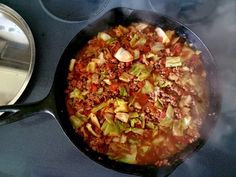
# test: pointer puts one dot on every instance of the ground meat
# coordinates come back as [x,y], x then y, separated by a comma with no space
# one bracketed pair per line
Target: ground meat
[152,115]
[98,144]
[134,87]
[169,98]
[92,99]
[112,75]
[160,163]
[80,84]
[121,65]
[131,108]
[177,89]
[70,76]
[178,113]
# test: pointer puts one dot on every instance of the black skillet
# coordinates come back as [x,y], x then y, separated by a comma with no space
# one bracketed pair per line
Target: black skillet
[54,103]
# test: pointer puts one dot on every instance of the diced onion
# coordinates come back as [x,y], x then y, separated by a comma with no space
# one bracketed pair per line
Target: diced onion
[104,36]
[94,119]
[123,55]
[122,116]
[72,64]
[123,138]
[91,67]
[90,129]
[141,26]
[107,81]
[162,34]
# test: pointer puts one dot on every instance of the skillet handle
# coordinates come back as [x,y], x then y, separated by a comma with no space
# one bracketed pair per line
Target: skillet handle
[21,111]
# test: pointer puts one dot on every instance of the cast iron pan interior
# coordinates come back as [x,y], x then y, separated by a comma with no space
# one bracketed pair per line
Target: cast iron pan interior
[125,16]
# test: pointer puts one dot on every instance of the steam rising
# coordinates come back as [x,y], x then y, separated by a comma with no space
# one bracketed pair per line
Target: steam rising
[219,34]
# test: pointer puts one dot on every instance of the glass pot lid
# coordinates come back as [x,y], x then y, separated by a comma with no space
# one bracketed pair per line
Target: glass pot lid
[17,55]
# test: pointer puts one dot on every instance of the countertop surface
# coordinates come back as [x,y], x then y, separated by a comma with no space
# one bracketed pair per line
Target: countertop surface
[37,146]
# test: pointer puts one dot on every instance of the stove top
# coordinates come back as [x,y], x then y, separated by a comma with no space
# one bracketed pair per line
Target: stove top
[37,146]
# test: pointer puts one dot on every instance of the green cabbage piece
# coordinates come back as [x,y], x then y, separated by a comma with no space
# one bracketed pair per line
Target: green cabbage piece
[180,126]
[157,47]
[120,105]
[173,61]
[76,93]
[140,71]
[147,88]
[125,77]
[110,128]
[99,107]
[91,67]
[78,120]
[161,82]
[133,41]
[168,120]
[123,91]
[131,157]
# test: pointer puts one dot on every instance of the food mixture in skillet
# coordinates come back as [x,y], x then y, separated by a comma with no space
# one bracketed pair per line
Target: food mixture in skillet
[137,94]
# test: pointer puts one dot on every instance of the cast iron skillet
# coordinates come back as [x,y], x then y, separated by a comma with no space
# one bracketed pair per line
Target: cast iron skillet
[54,103]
